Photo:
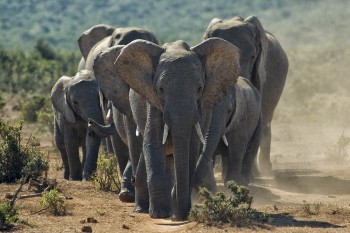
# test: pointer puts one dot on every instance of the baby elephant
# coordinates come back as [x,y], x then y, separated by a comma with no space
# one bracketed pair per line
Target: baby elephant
[234,132]
[75,100]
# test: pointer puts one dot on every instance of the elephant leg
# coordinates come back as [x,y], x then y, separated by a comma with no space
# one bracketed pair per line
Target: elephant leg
[83,148]
[121,151]
[62,149]
[265,147]
[249,160]
[235,160]
[127,192]
[72,145]
[141,188]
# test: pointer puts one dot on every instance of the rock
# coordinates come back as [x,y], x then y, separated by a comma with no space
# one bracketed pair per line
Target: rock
[86,229]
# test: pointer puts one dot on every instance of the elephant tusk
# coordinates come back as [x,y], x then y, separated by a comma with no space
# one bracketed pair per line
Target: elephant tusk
[137,132]
[225,139]
[108,117]
[199,132]
[165,134]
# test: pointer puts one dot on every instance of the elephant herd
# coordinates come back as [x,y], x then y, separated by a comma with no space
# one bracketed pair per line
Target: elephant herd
[169,110]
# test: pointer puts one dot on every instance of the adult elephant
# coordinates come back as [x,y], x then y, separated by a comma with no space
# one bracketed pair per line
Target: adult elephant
[262,61]
[180,84]
[89,38]
[125,145]
[236,120]
[75,100]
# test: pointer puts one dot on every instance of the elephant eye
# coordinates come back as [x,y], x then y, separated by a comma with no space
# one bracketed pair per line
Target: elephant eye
[75,102]
[252,57]
[161,91]
[199,90]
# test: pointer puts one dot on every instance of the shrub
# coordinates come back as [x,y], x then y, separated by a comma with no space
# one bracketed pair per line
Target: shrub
[106,177]
[52,201]
[17,160]
[338,151]
[312,209]
[2,102]
[218,209]
[30,107]
[8,215]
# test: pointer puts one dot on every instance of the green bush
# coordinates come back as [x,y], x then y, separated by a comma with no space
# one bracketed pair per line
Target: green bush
[106,177]
[17,160]
[29,108]
[218,209]
[52,201]
[8,215]
[2,102]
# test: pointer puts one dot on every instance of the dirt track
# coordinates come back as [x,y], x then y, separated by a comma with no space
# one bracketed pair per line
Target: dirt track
[303,174]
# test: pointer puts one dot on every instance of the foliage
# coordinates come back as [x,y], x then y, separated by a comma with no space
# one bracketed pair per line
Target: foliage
[18,160]
[312,209]
[44,49]
[32,72]
[30,107]
[8,214]
[52,201]
[106,177]
[217,208]
[2,102]
[61,22]
[338,151]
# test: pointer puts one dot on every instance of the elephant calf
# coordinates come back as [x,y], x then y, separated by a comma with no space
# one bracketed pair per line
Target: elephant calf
[236,120]
[75,100]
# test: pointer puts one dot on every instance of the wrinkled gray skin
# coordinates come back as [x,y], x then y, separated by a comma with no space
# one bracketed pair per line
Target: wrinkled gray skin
[263,61]
[180,84]
[92,42]
[237,117]
[75,100]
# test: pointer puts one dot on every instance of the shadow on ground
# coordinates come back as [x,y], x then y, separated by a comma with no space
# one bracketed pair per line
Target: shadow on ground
[284,220]
[309,182]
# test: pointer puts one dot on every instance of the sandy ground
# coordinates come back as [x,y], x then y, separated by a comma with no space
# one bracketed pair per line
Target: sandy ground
[304,174]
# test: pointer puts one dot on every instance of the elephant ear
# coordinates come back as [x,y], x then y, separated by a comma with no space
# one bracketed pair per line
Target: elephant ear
[111,85]
[58,99]
[221,65]
[90,37]
[136,66]
[259,73]
[212,22]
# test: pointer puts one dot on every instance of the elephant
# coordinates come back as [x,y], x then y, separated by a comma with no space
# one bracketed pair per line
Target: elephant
[172,91]
[262,61]
[74,100]
[235,119]
[89,38]
[91,43]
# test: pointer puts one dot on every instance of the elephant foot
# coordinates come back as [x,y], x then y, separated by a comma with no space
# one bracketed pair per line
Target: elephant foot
[66,175]
[266,169]
[140,209]
[160,211]
[126,195]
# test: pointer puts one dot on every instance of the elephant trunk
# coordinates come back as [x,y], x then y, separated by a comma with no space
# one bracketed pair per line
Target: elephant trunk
[101,130]
[93,142]
[182,126]
[181,190]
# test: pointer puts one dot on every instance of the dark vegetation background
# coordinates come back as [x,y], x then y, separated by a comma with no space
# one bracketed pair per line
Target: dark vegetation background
[38,43]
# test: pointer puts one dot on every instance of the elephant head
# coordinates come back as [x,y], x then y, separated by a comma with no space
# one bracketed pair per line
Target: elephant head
[180,83]
[90,37]
[77,99]
[250,37]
